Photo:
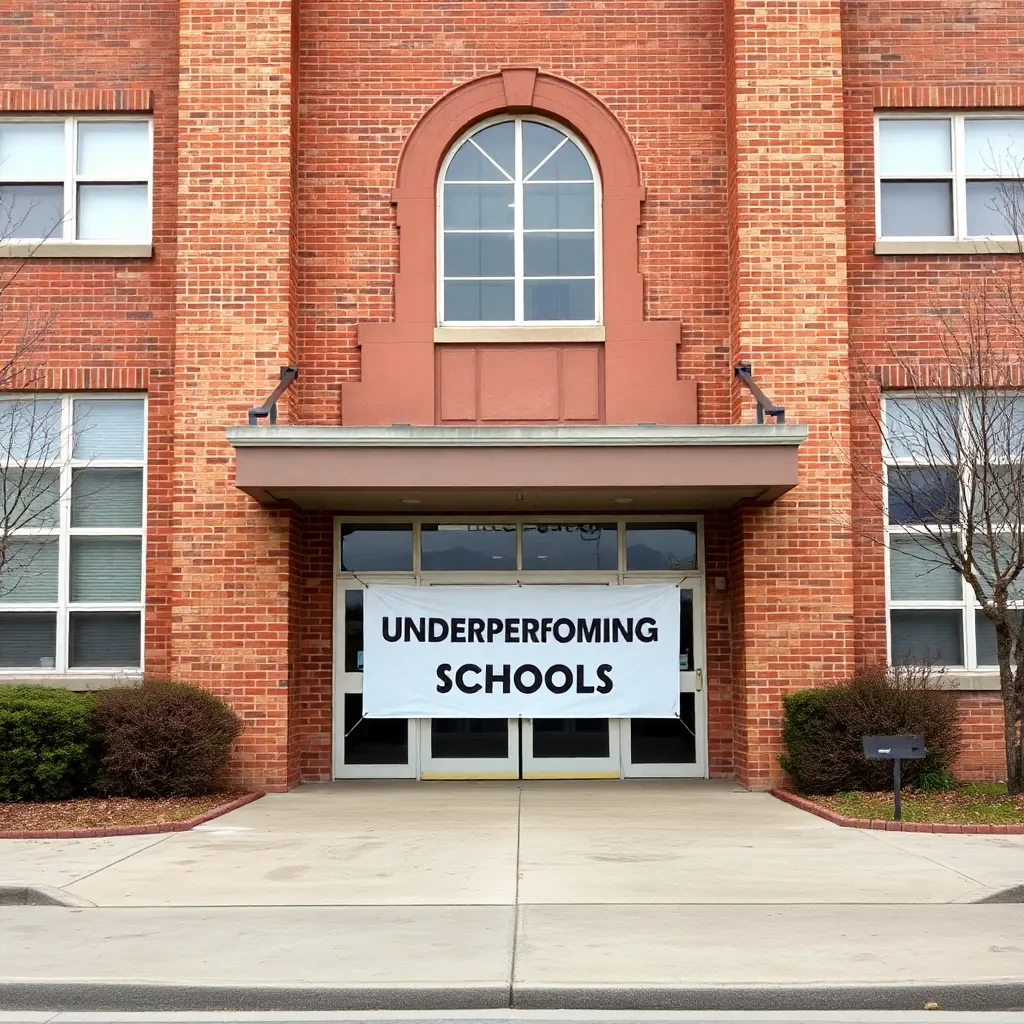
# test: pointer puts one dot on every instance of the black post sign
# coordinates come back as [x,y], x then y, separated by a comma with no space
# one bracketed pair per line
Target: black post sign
[895,749]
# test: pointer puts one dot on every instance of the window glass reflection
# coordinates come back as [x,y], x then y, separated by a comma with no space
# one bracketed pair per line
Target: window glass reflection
[353,631]
[561,546]
[468,548]
[661,546]
[376,548]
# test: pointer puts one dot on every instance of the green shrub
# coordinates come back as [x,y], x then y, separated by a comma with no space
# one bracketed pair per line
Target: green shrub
[47,743]
[823,730]
[941,781]
[163,739]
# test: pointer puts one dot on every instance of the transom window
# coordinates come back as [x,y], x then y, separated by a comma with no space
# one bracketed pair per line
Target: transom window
[71,532]
[950,176]
[520,215]
[75,179]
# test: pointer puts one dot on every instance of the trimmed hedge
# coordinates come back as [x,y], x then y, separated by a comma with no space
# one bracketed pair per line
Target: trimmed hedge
[159,739]
[163,739]
[823,730]
[47,743]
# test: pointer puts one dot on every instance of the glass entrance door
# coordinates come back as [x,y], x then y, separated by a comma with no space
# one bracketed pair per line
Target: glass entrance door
[675,747]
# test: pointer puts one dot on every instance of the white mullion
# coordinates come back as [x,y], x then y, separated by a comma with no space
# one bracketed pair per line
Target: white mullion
[64,543]
[959,178]
[518,239]
[69,231]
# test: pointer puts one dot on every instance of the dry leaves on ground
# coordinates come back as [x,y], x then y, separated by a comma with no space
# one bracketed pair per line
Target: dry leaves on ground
[111,812]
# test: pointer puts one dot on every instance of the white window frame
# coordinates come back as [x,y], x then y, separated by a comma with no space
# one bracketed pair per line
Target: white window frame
[957,175]
[967,605]
[68,233]
[64,531]
[518,231]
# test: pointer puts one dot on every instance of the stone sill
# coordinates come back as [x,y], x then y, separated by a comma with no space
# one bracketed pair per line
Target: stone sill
[495,335]
[73,681]
[970,681]
[948,247]
[55,250]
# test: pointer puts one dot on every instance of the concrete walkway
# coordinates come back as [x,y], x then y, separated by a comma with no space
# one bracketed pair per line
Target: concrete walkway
[646,895]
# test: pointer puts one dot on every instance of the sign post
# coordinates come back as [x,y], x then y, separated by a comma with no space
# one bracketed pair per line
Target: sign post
[894,748]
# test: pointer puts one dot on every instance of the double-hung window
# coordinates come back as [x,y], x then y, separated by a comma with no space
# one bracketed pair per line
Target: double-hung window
[72,471]
[950,176]
[935,492]
[76,179]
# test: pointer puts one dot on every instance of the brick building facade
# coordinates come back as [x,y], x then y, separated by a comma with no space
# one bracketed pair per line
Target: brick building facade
[296,149]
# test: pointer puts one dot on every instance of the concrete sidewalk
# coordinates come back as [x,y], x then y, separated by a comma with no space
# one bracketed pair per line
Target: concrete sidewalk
[494,895]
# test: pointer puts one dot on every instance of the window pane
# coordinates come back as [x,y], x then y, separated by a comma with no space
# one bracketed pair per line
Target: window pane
[478,206]
[919,571]
[925,494]
[114,150]
[109,429]
[559,300]
[28,640]
[655,546]
[469,737]
[570,737]
[30,428]
[469,164]
[998,495]
[913,146]
[558,206]
[353,631]
[373,740]
[567,164]
[923,428]
[666,740]
[985,632]
[556,546]
[989,569]
[28,573]
[32,149]
[917,208]
[106,497]
[106,569]
[994,146]
[926,637]
[104,640]
[376,548]
[478,256]
[31,211]
[30,497]
[479,300]
[476,548]
[113,211]
[551,254]
[687,653]
[995,208]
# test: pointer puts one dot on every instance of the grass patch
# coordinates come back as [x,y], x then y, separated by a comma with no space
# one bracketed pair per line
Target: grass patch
[976,803]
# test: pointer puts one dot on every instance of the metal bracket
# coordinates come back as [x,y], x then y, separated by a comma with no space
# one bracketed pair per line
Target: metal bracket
[268,410]
[765,406]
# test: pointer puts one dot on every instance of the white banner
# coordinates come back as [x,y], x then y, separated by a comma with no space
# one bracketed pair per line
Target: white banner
[521,652]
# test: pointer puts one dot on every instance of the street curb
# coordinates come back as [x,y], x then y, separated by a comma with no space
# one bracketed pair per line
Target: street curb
[90,997]
[881,825]
[131,830]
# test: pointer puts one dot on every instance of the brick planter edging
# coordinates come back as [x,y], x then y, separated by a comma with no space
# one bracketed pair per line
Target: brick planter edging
[131,830]
[881,825]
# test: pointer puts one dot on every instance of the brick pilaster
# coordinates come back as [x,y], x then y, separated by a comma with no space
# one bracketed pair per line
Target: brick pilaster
[235,325]
[792,562]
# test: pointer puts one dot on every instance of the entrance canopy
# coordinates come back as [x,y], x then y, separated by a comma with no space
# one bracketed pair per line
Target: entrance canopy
[403,469]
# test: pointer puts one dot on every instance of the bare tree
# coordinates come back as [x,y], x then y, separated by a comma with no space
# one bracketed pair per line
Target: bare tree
[30,426]
[953,445]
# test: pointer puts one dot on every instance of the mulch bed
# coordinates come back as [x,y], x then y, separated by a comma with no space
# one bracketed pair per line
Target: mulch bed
[115,815]
[973,809]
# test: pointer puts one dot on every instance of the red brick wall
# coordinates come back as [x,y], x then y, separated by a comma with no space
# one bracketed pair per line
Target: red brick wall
[984,751]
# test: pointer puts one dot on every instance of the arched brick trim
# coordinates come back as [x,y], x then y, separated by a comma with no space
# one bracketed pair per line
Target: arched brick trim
[639,356]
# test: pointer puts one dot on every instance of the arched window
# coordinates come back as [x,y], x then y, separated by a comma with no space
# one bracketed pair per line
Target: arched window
[519,226]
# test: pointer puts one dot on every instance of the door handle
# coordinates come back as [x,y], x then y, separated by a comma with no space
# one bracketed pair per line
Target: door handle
[700,679]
